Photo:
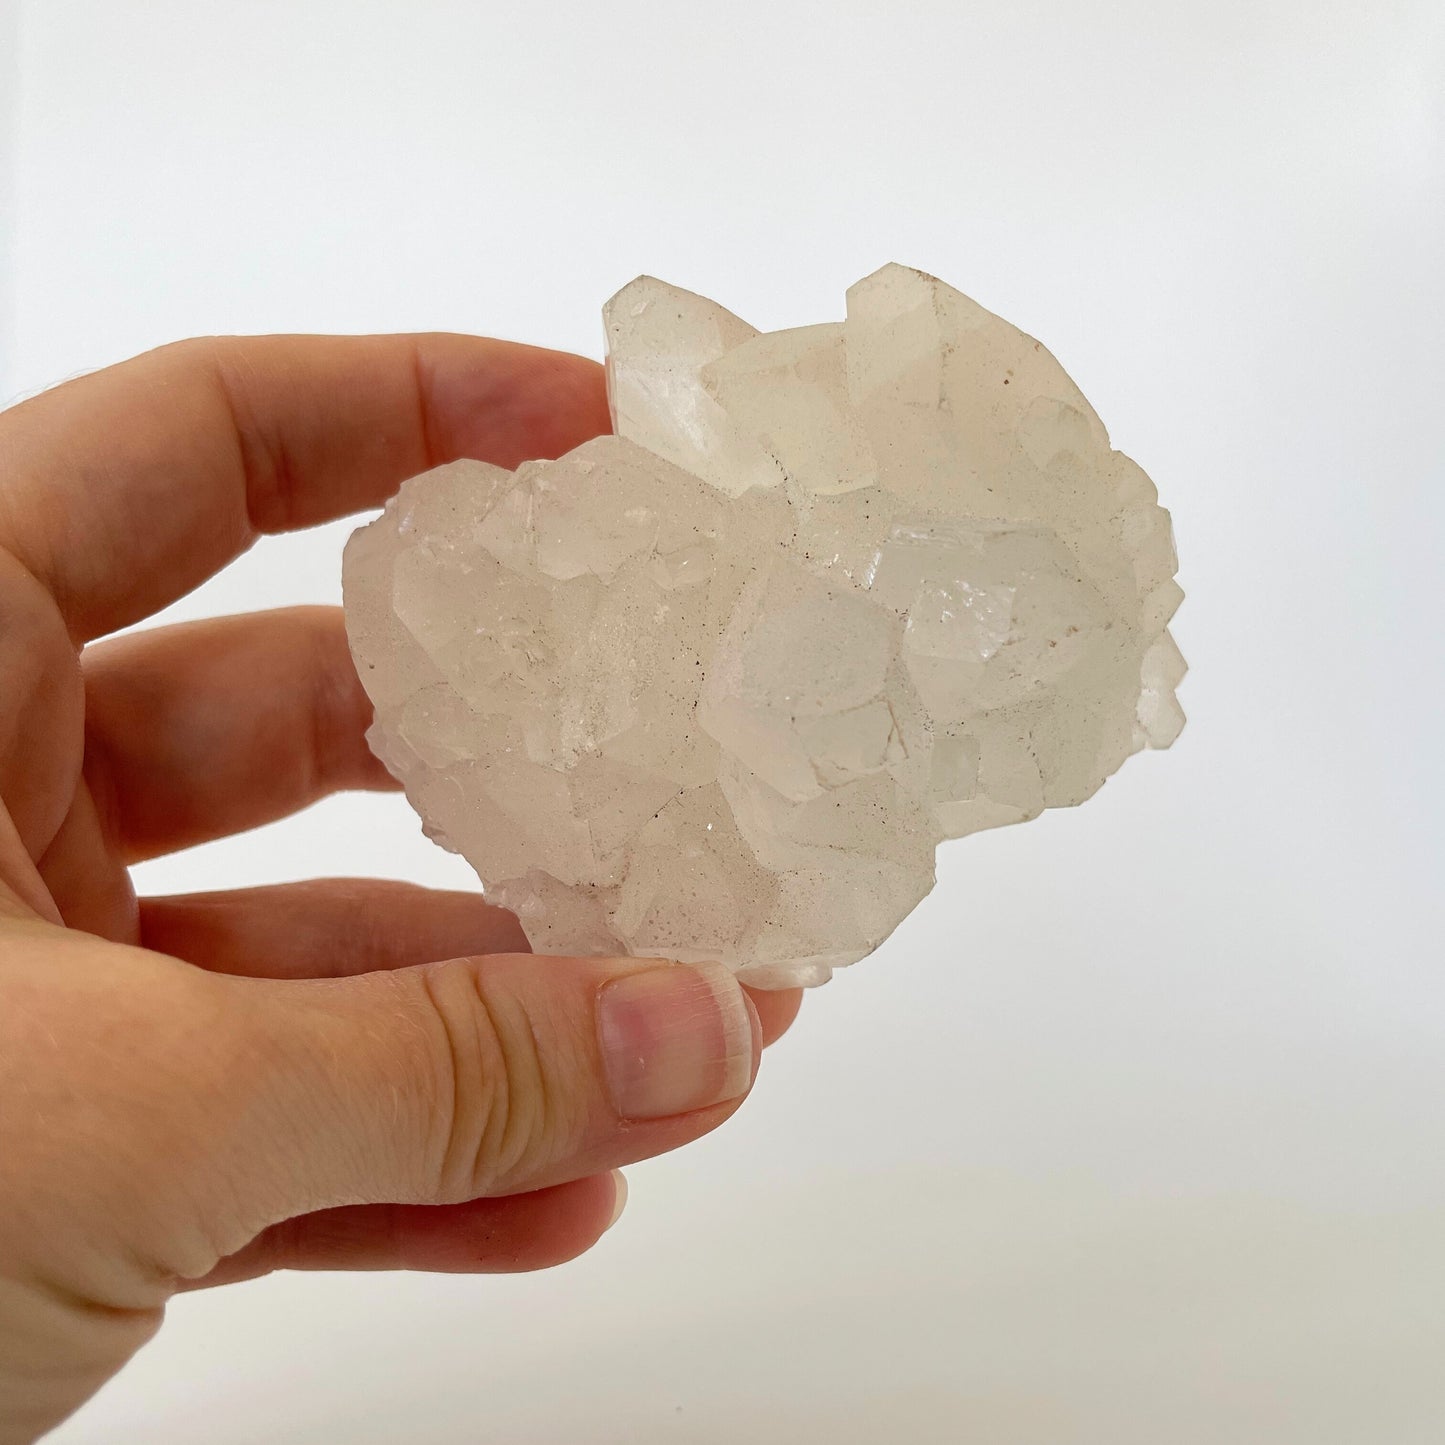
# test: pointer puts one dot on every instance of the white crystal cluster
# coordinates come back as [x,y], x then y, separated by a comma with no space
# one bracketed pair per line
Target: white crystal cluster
[716,686]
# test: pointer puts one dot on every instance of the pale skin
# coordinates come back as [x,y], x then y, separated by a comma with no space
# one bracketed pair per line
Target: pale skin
[335,1074]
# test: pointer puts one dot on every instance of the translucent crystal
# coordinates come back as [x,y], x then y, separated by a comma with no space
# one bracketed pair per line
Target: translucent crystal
[715,687]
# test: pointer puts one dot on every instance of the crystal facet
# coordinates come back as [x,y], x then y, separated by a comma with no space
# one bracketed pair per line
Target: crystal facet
[716,686]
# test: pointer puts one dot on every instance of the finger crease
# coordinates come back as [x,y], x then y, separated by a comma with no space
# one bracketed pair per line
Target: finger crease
[421,381]
[267,478]
[448,1127]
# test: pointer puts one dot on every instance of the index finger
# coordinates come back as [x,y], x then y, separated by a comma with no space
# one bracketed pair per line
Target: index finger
[125,489]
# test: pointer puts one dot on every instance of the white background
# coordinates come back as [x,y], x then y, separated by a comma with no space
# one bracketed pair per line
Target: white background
[1134,1131]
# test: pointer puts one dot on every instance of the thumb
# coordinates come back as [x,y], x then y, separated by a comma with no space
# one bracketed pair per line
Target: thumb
[477,1076]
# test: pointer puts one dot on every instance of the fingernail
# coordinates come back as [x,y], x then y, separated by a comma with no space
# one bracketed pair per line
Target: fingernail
[619,1202]
[675,1039]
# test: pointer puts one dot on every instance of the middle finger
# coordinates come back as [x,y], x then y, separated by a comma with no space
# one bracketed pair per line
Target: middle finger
[203,729]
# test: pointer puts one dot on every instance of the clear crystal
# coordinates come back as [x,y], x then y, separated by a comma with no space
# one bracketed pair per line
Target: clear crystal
[717,686]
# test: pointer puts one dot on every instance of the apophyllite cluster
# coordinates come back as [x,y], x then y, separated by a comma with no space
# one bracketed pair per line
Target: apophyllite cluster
[716,686]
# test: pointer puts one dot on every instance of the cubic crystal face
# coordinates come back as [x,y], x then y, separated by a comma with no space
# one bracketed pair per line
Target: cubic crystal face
[716,686]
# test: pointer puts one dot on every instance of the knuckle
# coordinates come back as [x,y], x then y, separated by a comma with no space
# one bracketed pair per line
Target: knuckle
[274,502]
[511,1102]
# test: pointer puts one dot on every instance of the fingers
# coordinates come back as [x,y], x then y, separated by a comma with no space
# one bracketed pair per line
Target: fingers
[129,487]
[207,728]
[326,928]
[483,1236]
[472,1078]
[336,927]
[776,1009]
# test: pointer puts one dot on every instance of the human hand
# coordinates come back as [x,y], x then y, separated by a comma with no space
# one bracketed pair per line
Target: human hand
[200,1089]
